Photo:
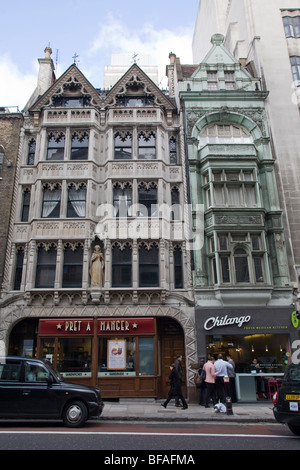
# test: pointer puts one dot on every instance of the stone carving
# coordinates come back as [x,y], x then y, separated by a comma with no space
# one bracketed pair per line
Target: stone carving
[97,268]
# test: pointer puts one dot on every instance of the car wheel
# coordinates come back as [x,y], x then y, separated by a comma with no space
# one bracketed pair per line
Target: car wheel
[295,429]
[75,414]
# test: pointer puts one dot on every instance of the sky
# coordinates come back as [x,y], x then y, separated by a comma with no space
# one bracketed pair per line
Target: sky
[94,30]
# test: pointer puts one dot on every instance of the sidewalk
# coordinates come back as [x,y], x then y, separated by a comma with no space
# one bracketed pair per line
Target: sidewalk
[151,410]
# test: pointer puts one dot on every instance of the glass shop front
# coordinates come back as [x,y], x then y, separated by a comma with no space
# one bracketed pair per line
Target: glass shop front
[125,357]
[257,340]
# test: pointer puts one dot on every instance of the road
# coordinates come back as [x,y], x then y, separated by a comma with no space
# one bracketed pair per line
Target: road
[134,438]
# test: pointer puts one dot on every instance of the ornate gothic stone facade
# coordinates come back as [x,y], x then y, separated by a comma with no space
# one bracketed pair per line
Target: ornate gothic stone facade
[101,169]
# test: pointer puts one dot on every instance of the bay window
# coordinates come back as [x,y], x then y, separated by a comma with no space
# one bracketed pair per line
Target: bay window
[238,258]
[228,188]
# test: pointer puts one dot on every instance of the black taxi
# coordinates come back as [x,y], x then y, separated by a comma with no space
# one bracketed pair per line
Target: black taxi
[33,389]
[287,400]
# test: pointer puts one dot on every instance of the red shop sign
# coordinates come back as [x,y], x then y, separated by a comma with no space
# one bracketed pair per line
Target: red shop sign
[73,327]
[126,326]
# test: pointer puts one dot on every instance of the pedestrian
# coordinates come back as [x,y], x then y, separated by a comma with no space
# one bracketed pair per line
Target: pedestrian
[231,375]
[209,370]
[178,367]
[259,382]
[202,387]
[221,368]
[175,388]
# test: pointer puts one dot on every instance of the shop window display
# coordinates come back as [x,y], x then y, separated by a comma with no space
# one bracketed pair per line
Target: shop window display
[74,358]
[117,357]
[126,357]
[146,364]
[271,351]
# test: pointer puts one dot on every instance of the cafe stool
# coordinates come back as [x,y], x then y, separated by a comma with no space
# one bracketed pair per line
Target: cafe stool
[272,388]
[279,383]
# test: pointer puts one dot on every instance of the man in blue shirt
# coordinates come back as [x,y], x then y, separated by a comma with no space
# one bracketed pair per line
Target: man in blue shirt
[221,372]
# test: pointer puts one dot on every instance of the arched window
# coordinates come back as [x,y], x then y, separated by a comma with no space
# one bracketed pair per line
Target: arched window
[19,268]
[175,199]
[233,263]
[241,266]
[178,267]
[173,150]
[25,205]
[31,152]
[221,133]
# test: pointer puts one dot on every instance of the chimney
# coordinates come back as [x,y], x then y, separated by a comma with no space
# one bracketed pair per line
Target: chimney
[46,73]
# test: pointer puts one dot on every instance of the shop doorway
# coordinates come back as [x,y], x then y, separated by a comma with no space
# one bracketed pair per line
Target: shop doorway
[23,338]
[172,344]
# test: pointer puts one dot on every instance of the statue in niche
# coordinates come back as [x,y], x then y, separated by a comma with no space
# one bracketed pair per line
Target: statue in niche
[97,268]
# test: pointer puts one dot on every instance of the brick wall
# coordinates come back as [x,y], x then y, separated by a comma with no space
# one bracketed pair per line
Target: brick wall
[10,124]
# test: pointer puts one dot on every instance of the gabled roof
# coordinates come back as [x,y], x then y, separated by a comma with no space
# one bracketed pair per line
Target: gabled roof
[73,77]
[219,55]
[136,79]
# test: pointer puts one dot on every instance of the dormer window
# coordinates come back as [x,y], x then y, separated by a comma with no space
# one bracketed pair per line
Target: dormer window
[212,81]
[71,102]
[135,101]
[229,80]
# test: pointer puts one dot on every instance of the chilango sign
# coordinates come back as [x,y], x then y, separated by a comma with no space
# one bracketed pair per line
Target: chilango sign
[215,322]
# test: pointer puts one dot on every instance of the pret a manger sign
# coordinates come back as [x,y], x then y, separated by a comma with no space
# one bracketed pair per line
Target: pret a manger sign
[123,326]
[104,326]
[214,322]
[74,326]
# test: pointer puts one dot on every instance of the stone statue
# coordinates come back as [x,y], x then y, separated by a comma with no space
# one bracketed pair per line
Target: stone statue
[97,268]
